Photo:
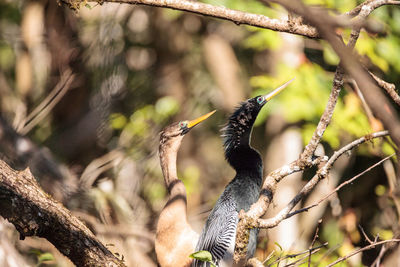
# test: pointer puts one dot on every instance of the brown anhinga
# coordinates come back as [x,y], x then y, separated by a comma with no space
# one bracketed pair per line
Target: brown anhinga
[175,238]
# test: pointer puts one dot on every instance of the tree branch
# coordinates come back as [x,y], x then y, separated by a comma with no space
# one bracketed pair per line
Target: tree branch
[336,189]
[20,152]
[34,213]
[321,174]
[350,63]
[389,87]
[362,249]
[220,12]
[326,26]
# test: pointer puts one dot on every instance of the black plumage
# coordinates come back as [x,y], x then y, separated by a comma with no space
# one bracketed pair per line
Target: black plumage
[218,235]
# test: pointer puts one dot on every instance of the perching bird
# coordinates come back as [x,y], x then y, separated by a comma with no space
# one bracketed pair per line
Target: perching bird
[175,239]
[218,236]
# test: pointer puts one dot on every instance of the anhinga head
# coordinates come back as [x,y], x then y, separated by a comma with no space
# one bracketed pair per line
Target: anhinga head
[173,134]
[237,132]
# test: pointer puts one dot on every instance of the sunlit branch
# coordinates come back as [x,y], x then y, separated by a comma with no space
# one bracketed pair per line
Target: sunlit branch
[389,87]
[220,12]
[321,174]
[236,16]
[337,188]
[305,160]
[373,245]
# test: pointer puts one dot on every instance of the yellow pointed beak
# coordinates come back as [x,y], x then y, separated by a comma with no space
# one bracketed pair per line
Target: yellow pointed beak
[268,97]
[194,122]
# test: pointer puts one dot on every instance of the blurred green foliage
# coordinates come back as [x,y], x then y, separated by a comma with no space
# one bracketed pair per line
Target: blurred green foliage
[158,54]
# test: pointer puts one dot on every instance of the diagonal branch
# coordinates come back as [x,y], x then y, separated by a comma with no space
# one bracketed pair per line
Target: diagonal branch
[44,108]
[321,174]
[34,213]
[390,88]
[336,189]
[363,249]
[326,25]
[350,63]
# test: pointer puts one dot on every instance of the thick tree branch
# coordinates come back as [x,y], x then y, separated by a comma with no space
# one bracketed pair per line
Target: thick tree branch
[220,12]
[34,213]
[20,152]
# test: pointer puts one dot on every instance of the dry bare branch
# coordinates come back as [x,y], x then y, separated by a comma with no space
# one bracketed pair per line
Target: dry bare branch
[389,87]
[35,213]
[321,174]
[362,249]
[377,261]
[313,242]
[326,26]
[220,12]
[365,235]
[350,63]
[337,188]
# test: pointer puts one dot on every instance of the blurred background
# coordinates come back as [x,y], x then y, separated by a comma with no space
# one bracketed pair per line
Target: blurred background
[84,95]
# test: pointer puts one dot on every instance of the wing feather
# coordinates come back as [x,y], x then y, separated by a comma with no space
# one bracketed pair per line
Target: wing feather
[220,229]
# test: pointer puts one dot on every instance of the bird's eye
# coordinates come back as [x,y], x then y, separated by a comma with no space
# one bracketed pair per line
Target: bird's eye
[182,124]
[260,99]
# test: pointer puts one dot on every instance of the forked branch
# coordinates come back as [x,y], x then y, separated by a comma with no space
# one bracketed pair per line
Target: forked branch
[321,174]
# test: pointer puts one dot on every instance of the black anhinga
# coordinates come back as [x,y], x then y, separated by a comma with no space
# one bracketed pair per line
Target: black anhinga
[218,235]
[175,239]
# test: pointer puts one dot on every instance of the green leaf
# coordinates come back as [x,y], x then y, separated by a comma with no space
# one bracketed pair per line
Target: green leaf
[276,243]
[202,255]
[118,121]
[46,257]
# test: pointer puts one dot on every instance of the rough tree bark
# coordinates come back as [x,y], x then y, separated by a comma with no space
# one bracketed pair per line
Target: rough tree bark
[35,213]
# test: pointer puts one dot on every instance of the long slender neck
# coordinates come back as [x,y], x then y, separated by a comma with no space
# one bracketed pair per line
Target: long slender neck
[243,158]
[238,151]
[168,153]
[175,238]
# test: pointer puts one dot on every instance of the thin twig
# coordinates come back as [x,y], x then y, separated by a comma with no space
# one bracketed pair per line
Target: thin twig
[310,250]
[361,250]
[377,261]
[390,88]
[321,174]
[313,241]
[365,235]
[301,260]
[338,188]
